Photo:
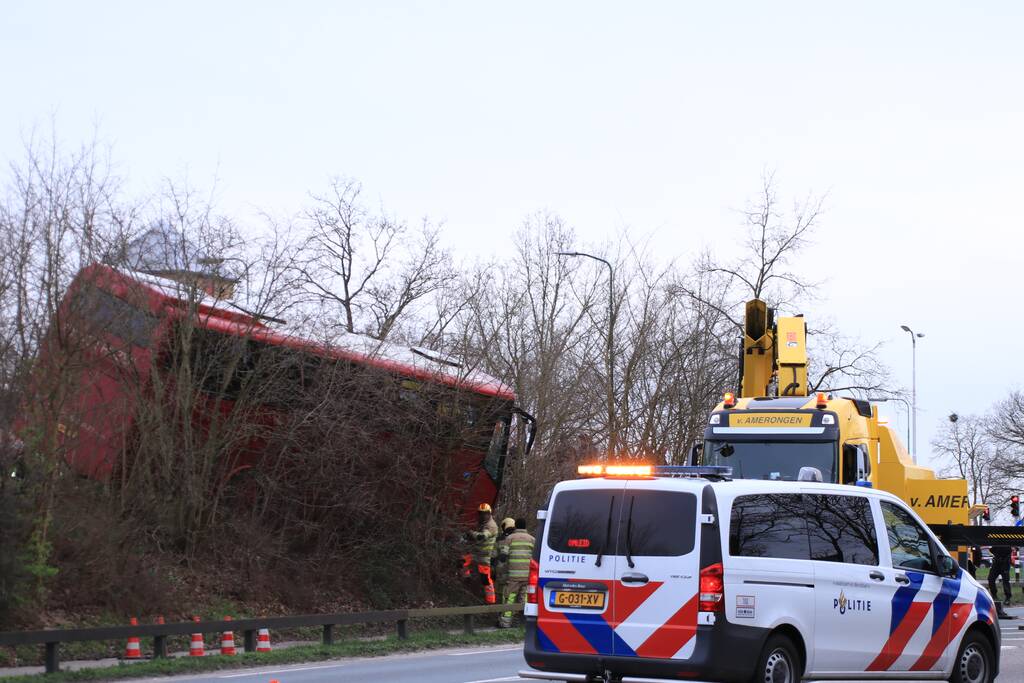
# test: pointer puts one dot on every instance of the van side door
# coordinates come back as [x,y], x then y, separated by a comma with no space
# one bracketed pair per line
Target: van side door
[850,587]
[577,574]
[918,630]
[657,572]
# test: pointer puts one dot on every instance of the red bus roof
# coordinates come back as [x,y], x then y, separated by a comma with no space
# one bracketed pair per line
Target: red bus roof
[417,363]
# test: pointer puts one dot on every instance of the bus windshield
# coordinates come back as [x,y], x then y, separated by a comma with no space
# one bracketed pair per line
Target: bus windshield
[772,459]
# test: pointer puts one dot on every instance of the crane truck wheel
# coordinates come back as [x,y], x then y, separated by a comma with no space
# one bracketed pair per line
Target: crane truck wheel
[975,662]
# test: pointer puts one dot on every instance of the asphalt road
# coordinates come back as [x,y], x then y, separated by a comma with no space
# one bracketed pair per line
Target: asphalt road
[488,665]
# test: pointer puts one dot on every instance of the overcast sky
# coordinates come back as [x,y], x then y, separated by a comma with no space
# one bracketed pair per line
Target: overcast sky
[657,118]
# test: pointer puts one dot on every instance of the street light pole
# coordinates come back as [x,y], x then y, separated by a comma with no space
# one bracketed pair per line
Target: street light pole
[913,342]
[612,433]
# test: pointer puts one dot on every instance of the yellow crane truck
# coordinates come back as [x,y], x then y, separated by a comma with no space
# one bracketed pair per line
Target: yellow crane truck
[774,426]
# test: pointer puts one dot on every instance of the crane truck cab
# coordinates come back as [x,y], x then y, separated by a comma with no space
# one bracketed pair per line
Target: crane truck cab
[777,424]
[681,573]
[774,437]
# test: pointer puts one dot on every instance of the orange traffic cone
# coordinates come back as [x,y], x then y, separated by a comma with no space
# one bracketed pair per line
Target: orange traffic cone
[227,641]
[132,650]
[263,640]
[197,648]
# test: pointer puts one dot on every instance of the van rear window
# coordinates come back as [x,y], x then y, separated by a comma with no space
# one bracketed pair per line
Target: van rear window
[649,523]
[584,522]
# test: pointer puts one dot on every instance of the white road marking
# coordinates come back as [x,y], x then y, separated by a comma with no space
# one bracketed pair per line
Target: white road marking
[495,680]
[281,671]
[1007,647]
[484,652]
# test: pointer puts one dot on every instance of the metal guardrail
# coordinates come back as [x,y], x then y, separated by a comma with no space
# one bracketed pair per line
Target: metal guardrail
[159,632]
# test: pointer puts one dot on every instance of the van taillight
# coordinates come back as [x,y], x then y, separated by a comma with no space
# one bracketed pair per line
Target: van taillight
[531,587]
[712,589]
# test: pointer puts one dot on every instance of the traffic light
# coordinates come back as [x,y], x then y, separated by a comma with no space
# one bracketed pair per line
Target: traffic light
[985,515]
[1015,505]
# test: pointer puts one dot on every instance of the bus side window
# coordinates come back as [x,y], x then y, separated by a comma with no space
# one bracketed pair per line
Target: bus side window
[107,314]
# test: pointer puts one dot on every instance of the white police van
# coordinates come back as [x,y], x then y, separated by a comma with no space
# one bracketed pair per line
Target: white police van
[679,573]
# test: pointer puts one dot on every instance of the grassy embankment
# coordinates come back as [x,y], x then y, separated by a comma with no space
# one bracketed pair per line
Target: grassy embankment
[427,640]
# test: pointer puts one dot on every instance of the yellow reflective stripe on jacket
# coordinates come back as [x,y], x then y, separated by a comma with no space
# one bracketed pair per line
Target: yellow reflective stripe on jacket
[520,552]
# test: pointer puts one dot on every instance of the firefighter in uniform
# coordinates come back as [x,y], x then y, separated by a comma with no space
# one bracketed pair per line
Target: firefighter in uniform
[499,558]
[483,540]
[520,552]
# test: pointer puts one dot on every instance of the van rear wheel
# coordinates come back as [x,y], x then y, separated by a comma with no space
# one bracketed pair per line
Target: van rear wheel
[779,662]
[975,662]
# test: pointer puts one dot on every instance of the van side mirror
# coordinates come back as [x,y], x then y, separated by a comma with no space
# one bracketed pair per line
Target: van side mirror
[948,566]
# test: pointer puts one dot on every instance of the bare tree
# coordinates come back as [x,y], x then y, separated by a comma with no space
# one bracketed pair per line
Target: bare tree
[56,215]
[540,323]
[370,267]
[682,355]
[971,454]
[766,270]
[529,323]
[1006,421]
[774,237]
[845,364]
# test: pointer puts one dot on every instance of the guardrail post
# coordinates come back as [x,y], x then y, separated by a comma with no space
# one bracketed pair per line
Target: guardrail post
[52,662]
[467,623]
[249,636]
[159,647]
[328,634]
[403,629]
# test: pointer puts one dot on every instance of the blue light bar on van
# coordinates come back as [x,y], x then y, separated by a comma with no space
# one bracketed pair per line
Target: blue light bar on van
[717,471]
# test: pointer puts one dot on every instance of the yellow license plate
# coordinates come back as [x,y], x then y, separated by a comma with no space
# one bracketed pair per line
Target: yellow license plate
[592,600]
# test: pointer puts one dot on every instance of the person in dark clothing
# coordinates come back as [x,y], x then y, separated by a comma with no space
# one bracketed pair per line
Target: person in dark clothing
[1000,567]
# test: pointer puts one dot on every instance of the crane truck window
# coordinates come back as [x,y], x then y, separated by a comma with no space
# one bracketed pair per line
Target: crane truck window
[771,459]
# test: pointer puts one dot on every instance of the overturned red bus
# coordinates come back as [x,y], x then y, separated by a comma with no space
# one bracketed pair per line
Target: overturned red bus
[136,321]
